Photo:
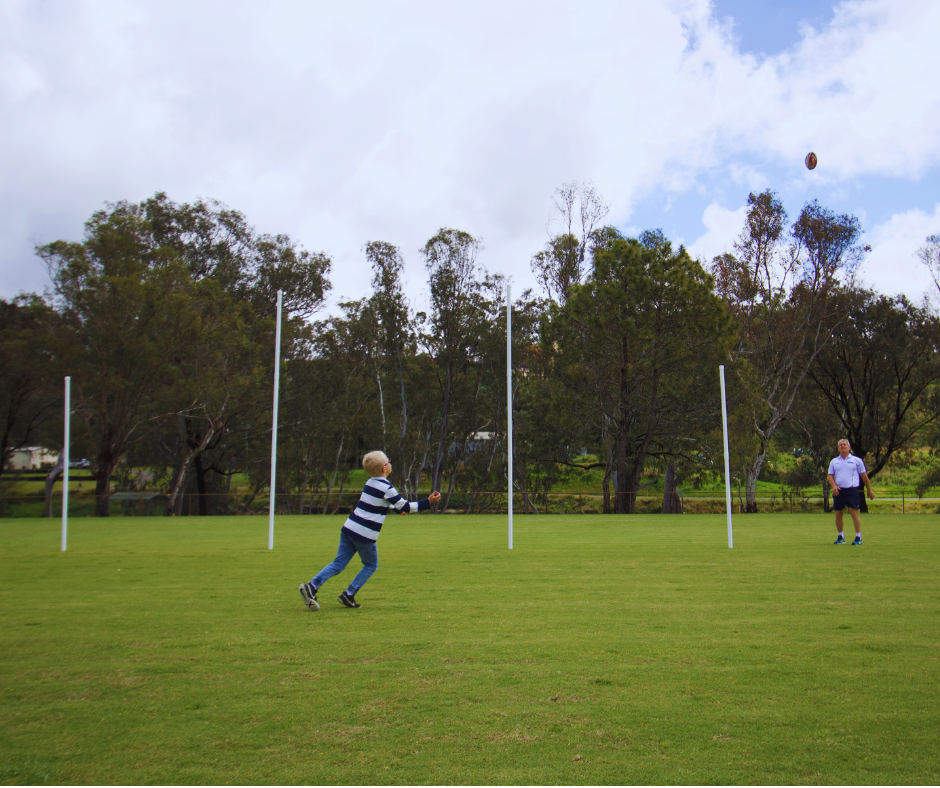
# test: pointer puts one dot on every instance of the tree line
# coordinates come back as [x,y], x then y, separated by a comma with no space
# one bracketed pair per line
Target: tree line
[164,316]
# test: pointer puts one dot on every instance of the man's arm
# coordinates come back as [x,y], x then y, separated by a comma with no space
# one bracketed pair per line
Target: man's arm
[864,478]
[832,484]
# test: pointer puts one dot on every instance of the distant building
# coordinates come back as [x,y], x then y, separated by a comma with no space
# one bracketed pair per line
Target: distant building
[475,442]
[478,440]
[32,458]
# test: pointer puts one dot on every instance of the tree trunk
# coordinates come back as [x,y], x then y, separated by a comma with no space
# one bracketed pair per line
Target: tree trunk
[329,487]
[180,476]
[605,486]
[201,490]
[103,485]
[621,502]
[453,478]
[178,507]
[378,381]
[467,433]
[608,465]
[484,476]
[863,501]
[639,461]
[255,489]
[404,410]
[438,472]
[750,506]
[50,483]
[424,461]
[339,495]
[622,482]
[825,494]
[672,503]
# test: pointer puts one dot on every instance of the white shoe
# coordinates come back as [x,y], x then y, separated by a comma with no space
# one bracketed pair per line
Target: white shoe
[309,593]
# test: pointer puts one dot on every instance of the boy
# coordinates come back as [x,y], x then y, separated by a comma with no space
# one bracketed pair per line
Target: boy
[362,528]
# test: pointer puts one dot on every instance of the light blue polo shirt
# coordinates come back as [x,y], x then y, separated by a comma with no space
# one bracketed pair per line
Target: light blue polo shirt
[846,472]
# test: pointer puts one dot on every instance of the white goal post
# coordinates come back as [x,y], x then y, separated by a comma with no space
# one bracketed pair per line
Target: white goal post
[509,402]
[277,381]
[724,427]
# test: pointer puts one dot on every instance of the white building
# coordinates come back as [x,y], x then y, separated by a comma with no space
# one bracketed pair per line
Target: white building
[32,458]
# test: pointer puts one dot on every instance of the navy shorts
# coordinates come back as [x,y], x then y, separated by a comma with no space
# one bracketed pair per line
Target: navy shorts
[848,496]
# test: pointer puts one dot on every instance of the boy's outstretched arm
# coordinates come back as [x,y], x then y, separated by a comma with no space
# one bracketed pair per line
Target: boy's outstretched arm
[434,497]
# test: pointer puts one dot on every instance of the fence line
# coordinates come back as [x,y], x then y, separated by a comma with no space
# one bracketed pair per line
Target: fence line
[903,501]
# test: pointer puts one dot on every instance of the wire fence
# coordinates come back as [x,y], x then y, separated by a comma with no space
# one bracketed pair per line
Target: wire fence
[153,504]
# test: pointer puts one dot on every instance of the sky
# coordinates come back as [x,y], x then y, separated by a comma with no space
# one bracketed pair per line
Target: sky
[344,123]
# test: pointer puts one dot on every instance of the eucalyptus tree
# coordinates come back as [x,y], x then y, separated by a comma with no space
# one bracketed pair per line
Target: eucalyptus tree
[30,379]
[879,374]
[225,374]
[330,413]
[216,381]
[126,315]
[929,255]
[875,382]
[780,287]
[480,401]
[394,332]
[217,243]
[547,429]
[641,328]
[811,432]
[458,322]
[167,316]
[563,262]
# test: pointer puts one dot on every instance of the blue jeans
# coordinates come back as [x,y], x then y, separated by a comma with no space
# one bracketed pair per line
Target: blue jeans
[348,547]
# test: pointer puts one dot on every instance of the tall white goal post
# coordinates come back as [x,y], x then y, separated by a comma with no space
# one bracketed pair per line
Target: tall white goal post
[67,418]
[277,382]
[509,403]
[724,427]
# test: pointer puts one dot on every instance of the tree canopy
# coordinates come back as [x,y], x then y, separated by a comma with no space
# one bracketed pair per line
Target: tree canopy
[163,314]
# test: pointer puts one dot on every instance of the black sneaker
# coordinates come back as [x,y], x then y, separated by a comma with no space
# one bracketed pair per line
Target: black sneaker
[840,540]
[857,542]
[349,601]
[309,592]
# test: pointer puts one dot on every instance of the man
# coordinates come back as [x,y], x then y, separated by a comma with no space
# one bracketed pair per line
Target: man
[845,471]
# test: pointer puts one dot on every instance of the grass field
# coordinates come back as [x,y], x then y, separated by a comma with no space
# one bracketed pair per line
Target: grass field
[629,650]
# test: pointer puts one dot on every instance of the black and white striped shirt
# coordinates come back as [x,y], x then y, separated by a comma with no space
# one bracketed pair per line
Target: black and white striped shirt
[378,496]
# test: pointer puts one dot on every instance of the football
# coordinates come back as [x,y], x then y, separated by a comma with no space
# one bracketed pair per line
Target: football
[811,161]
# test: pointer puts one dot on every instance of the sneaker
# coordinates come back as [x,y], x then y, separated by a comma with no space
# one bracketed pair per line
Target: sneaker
[309,592]
[857,542]
[349,601]
[840,540]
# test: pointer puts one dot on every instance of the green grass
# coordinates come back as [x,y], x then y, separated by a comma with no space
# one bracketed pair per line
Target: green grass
[627,650]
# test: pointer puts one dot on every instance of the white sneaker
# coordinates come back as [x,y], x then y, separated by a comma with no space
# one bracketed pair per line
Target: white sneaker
[309,593]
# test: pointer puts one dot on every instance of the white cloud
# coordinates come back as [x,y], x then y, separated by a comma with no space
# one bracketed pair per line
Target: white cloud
[722,227]
[893,267]
[345,123]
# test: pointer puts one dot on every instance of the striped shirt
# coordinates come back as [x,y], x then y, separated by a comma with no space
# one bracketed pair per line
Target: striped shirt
[378,496]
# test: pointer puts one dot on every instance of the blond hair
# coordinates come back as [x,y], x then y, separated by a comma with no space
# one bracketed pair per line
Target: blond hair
[373,462]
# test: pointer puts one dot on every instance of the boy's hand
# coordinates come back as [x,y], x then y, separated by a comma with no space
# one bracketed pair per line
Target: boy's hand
[434,497]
